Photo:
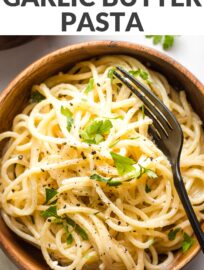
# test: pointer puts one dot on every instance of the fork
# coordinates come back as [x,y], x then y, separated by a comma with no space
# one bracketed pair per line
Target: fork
[168,136]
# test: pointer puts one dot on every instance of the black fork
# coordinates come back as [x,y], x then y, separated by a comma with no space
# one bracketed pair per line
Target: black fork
[168,136]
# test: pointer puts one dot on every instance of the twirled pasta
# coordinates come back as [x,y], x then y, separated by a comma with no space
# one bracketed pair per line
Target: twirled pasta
[97,225]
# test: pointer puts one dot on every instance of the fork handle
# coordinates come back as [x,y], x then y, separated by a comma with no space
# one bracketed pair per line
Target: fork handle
[181,190]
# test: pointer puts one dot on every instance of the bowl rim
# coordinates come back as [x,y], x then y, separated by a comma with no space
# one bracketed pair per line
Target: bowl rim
[10,252]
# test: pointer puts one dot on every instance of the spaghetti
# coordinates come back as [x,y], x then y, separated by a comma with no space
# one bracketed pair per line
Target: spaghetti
[83,180]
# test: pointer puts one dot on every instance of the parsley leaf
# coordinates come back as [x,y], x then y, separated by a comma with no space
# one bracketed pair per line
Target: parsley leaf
[94,133]
[81,232]
[77,228]
[90,86]
[99,178]
[187,243]
[172,234]
[111,74]
[68,114]
[69,238]
[167,41]
[36,97]
[123,164]
[141,73]
[50,193]
[108,181]
[157,39]
[50,212]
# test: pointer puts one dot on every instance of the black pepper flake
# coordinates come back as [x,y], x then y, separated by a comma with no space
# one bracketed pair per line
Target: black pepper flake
[119,222]
[42,170]
[20,157]
[49,220]
[71,104]
[100,204]
[78,204]
[93,152]
[97,158]
[98,84]
[83,156]
[64,206]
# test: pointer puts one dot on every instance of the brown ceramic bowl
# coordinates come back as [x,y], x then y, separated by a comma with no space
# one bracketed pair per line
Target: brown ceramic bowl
[16,95]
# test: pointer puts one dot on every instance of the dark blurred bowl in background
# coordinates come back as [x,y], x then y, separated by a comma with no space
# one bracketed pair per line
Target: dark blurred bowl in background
[8,42]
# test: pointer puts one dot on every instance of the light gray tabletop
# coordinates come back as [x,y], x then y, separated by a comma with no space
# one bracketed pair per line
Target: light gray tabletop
[188,50]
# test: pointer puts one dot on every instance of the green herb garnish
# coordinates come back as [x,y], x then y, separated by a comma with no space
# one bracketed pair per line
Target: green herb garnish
[95,132]
[172,234]
[69,239]
[36,97]
[167,41]
[77,228]
[187,243]
[50,193]
[108,181]
[140,73]
[50,212]
[111,74]
[68,114]
[123,164]
[90,86]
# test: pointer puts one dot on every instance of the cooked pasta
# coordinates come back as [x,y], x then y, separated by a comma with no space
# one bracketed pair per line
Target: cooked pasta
[83,180]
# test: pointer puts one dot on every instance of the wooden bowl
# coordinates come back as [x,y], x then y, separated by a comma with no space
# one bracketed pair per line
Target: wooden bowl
[16,95]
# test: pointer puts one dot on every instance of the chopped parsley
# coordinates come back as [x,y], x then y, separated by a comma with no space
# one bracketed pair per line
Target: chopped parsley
[142,74]
[94,133]
[50,194]
[167,41]
[90,86]
[172,234]
[123,164]
[77,228]
[108,181]
[65,221]
[68,114]
[50,212]
[111,74]
[69,238]
[187,243]
[36,97]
